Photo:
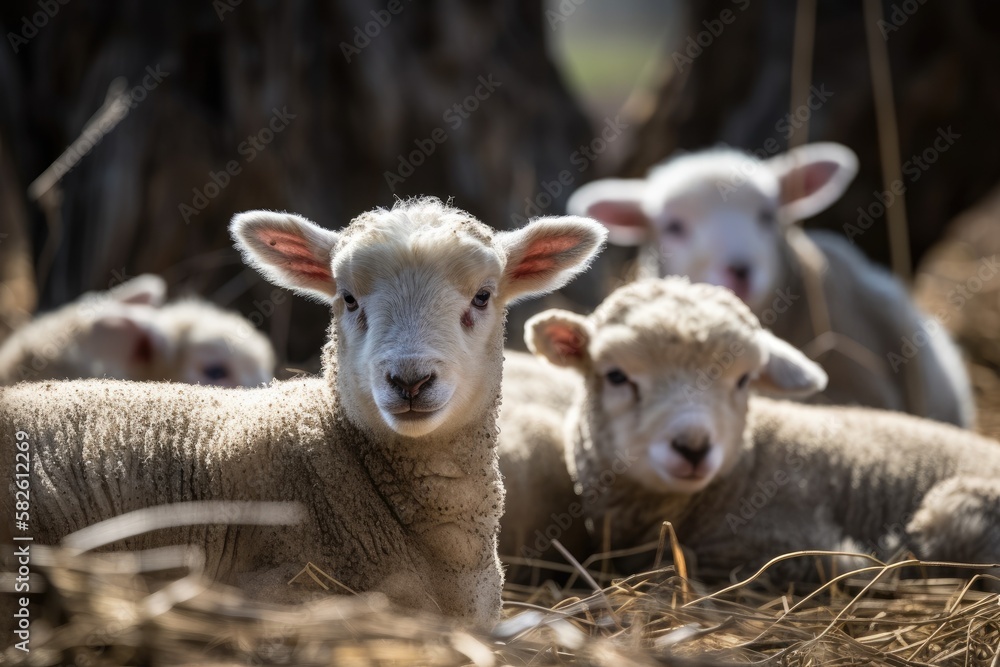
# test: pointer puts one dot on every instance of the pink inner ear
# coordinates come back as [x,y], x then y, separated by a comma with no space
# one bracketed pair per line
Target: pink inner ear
[541,255]
[618,214]
[806,180]
[564,340]
[298,257]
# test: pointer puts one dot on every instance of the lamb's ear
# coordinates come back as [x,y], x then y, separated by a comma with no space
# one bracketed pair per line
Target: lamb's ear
[617,204]
[560,336]
[288,250]
[125,336]
[546,254]
[812,177]
[147,289]
[788,372]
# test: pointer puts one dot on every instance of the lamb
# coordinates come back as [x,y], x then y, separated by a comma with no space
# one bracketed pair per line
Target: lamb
[726,218]
[541,504]
[391,451]
[665,428]
[128,333]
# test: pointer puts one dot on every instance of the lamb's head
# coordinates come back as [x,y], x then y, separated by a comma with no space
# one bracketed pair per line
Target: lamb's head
[418,295]
[214,346]
[129,333]
[668,367]
[720,216]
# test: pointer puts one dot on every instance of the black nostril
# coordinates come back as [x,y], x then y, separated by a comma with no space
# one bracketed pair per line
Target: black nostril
[693,448]
[410,387]
[740,271]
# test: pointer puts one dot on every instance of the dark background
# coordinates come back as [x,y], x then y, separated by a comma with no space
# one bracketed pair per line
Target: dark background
[564,69]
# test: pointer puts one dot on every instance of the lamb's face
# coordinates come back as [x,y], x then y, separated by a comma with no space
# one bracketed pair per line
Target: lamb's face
[721,216]
[418,295]
[417,319]
[717,226]
[668,367]
[683,426]
[662,391]
[224,359]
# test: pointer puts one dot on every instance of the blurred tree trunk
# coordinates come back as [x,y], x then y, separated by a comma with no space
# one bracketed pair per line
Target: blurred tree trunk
[18,293]
[736,89]
[323,108]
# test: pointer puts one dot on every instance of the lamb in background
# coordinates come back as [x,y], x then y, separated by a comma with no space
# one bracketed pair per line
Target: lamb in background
[726,218]
[668,369]
[392,452]
[541,504]
[129,333]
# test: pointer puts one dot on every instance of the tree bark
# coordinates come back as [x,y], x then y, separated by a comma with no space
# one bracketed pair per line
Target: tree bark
[443,97]
[736,90]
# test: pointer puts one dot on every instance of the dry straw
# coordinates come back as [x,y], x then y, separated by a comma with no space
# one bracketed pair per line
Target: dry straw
[155,608]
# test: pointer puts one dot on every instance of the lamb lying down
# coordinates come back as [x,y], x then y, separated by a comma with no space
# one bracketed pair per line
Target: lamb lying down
[130,333]
[392,453]
[727,218]
[668,373]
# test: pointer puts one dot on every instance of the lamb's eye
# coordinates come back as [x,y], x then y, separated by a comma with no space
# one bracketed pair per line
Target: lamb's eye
[350,301]
[675,227]
[616,377]
[766,218]
[743,381]
[215,371]
[481,299]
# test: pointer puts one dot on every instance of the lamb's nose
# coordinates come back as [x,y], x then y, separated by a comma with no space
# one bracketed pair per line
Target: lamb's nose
[410,387]
[692,446]
[740,271]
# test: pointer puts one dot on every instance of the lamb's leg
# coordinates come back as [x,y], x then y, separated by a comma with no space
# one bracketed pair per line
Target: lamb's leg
[957,522]
[463,571]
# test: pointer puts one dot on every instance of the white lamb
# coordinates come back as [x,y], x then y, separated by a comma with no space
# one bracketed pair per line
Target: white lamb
[668,369]
[726,218]
[392,452]
[129,333]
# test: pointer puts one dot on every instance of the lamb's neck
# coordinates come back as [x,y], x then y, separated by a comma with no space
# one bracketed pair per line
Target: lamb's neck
[435,479]
[786,313]
[444,489]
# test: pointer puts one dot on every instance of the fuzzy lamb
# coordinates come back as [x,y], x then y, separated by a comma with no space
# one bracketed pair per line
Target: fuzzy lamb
[726,218]
[128,333]
[668,369]
[392,452]
[541,505]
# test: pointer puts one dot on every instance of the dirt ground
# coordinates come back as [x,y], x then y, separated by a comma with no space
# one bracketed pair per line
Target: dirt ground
[959,282]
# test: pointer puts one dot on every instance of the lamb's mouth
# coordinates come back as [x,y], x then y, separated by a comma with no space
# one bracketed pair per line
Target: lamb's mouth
[414,414]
